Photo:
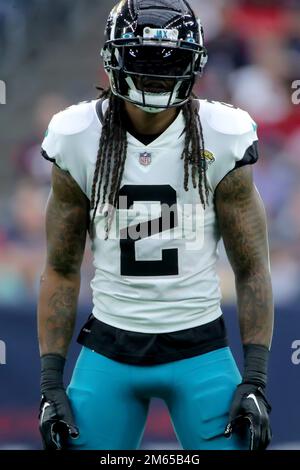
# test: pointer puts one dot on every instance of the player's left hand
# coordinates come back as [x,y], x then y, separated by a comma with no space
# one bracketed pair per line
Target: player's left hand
[56,421]
[250,408]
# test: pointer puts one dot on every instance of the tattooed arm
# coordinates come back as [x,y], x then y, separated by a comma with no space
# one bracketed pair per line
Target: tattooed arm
[66,227]
[242,223]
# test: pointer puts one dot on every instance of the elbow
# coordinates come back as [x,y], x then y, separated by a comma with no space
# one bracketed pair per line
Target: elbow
[62,271]
[253,272]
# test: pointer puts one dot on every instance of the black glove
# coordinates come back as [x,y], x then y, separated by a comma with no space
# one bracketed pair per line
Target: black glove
[56,418]
[250,409]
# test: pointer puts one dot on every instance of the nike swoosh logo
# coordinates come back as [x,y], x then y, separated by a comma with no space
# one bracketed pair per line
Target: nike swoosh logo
[44,409]
[253,397]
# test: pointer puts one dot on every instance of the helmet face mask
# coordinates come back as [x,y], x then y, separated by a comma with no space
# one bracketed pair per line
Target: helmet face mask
[151,66]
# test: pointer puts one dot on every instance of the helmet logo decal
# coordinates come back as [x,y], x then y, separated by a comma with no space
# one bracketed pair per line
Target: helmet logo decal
[168,34]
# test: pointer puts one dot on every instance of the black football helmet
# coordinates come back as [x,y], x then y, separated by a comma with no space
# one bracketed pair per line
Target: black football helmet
[153,52]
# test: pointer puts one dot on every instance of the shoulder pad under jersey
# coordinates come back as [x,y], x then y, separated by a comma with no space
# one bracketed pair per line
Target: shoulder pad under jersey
[72,120]
[227,119]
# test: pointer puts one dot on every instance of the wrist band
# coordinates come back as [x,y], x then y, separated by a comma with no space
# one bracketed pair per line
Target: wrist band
[256,358]
[52,368]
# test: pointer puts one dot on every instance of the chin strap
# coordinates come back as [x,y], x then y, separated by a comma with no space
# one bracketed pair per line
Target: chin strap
[151,99]
[150,110]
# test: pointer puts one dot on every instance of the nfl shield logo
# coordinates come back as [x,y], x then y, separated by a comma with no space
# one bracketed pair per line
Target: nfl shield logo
[145,158]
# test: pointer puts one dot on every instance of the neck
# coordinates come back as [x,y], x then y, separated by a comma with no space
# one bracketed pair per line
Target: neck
[147,123]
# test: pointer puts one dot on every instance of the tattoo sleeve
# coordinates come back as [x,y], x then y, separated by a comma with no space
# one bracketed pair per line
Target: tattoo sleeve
[66,227]
[242,223]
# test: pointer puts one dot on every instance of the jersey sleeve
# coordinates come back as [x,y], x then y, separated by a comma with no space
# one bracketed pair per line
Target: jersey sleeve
[62,142]
[235,134]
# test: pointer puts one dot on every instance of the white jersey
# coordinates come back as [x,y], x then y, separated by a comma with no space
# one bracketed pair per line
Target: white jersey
[166,281]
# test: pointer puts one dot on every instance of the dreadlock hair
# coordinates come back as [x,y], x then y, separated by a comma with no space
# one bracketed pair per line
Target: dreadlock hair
[112,153]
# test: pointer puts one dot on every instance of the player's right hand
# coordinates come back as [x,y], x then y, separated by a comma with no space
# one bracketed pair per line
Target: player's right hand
[56,425]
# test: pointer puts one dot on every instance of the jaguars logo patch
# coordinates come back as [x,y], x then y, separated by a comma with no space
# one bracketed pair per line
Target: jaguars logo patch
[209,157]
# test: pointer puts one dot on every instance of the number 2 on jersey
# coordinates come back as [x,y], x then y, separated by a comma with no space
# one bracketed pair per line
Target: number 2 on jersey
[168,265]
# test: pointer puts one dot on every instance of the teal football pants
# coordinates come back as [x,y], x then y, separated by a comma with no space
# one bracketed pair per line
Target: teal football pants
[110,400]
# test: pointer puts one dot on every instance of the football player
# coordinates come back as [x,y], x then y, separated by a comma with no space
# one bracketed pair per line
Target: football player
[155,177]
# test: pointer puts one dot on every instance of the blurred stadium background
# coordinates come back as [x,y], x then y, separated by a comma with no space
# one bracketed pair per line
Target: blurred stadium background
[49,59]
